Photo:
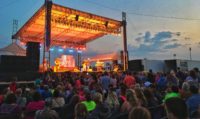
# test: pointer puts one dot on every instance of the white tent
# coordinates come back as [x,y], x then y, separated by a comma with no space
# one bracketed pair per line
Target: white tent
[13,49]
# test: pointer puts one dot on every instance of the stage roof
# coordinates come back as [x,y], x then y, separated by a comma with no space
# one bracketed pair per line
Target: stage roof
[69,27]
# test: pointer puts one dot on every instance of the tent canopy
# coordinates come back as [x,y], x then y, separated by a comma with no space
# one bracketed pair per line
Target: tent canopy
[13,49]
[69,27]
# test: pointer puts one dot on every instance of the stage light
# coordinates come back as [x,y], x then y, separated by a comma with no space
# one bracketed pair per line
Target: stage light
[51,49]
[77,48]
[84,48]
[79,51]
[64,47]
[71,51]
[60,50]
[22,43]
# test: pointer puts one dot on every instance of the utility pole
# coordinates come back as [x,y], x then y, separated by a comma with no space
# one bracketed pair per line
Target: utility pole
[174,56]
[14,29]
[190,50]
[125,52]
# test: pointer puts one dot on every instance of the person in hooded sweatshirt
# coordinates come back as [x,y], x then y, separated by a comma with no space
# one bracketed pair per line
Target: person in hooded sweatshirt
[102,110]
[47,112]
[10,106]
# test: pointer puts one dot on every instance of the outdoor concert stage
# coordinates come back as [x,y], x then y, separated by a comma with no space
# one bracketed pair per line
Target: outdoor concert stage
[56,25]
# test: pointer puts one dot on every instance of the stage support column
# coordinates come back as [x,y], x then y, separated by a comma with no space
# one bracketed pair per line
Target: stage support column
[125,52]
[79,60]
[47,35]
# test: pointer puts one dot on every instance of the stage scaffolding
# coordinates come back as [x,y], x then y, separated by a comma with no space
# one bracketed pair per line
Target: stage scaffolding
[56,25]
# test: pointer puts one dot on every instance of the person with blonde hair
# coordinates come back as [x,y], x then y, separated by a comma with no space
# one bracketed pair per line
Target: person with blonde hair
[112,99]
[102,110]
[139,113]
[140,95]
[131,101]
[81,111]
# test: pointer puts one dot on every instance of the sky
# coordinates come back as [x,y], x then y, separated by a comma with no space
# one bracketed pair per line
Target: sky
[156,29]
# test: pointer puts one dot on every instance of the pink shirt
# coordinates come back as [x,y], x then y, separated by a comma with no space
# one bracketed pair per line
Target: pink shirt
[35,105]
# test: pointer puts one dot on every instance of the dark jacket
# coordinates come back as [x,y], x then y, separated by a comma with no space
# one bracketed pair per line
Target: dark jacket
[102,111]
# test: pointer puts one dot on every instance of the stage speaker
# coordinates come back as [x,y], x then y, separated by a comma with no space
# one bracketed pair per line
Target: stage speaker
[170,65]
[33,55]
[14,63]
[135,65]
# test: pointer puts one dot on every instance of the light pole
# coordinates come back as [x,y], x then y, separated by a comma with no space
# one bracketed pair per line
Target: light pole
[174,56]
[190,50]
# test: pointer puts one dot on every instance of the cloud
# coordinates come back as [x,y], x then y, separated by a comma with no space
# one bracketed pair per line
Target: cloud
[198,44]
[139,39]
[150,39]
[162,35]
[172,46]
[178,34]
[174,40]
[147,37]
[187,38]
[167,41]
[187,44]
[151,43]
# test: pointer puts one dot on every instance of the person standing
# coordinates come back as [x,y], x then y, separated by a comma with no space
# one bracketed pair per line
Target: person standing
[129,80]
[47,112]
[105,82]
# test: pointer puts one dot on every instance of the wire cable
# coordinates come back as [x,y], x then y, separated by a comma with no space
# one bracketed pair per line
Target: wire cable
[165,17]
[142,14]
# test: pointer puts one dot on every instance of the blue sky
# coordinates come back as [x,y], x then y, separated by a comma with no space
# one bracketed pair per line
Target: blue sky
[148,37]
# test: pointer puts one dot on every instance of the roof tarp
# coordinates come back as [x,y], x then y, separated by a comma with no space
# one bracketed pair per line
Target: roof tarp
[69,27]
[13,49]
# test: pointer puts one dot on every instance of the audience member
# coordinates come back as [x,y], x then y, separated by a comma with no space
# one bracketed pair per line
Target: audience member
[102,110]
[176,108]
[57,100]
[81,111]
[47,112]
[139,113]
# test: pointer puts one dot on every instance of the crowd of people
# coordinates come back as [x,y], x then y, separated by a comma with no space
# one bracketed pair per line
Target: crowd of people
[105,95]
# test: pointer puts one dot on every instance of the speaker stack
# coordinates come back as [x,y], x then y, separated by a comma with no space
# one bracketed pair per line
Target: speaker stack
[13,63]
[29,63]
[135,65]
[33,55]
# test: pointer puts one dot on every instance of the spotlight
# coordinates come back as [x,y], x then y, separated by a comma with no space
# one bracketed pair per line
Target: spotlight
[22,43]
[60,50]
[71,51]
[51,49]
[79,51]
[64,47]
[84,48]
